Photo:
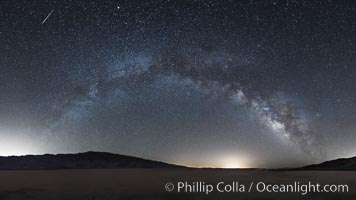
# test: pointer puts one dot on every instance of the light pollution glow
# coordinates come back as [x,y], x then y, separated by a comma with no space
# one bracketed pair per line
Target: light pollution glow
[14,147]
[226,161]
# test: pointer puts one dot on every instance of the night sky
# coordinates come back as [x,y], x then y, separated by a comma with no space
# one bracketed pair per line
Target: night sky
[199,83]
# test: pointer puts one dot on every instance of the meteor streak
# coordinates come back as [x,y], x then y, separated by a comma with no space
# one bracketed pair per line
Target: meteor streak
[47,17]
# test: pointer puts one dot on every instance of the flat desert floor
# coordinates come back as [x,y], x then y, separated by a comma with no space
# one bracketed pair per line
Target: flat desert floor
[132,184]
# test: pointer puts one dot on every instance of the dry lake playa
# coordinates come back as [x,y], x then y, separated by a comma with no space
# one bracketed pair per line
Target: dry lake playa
[130,184]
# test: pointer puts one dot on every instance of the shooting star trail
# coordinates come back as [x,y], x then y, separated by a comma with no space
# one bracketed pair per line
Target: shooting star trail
[47,17]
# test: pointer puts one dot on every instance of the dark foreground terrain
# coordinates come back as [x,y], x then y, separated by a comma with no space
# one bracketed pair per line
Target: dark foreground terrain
[115,184]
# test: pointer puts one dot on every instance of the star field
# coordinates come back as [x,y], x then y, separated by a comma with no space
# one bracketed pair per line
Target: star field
[265,83]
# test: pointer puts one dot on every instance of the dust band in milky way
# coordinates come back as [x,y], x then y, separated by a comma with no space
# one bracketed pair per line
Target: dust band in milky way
[221,71]
[282,117]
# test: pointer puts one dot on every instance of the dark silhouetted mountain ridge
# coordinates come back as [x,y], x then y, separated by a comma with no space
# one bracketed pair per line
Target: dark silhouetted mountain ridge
[342,164]
[87,160]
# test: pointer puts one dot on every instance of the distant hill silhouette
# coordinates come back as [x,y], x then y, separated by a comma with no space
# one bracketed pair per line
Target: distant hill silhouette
[103,160]
[87,160]
[342,164]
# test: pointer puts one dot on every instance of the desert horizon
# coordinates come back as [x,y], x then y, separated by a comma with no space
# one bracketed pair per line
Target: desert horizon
[100,153]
